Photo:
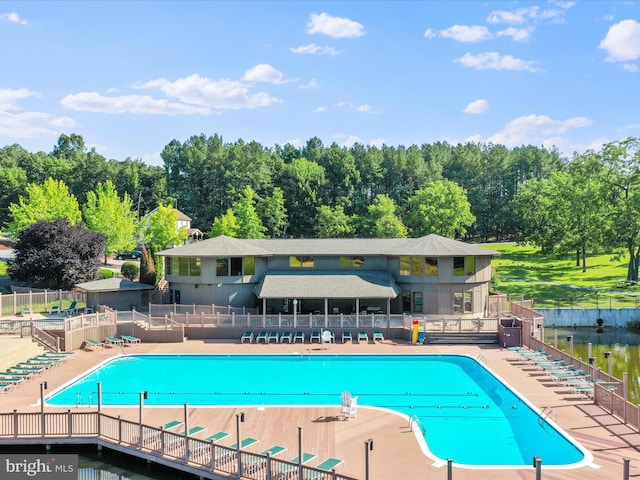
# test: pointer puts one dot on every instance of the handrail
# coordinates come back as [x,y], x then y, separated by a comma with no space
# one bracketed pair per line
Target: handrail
[547,412]
[415,419]
[481,358]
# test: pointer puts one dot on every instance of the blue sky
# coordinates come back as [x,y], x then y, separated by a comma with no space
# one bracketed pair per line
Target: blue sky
[132,76]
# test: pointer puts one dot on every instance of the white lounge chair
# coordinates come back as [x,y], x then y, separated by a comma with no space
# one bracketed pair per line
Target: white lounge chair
[349,407]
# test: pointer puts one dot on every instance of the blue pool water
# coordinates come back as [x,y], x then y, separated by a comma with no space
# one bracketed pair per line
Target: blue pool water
[467,413]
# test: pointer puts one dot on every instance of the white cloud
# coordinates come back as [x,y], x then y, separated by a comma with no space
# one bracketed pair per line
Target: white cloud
[13,17]
[313,84]
[217,94]
[622,41]
[377,142]
[465,33]
[524,15]
[347,140]
[517,34]
[535,130]
[336,27]
[320,109]
[478,106]
[630,67]
[137,104]
[495,61]
[363,108]
[33,125]
[263,73]
[296,142]
[313,49]
[9,98]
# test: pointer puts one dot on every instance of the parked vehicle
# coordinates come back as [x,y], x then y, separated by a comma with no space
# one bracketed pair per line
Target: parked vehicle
[133,255]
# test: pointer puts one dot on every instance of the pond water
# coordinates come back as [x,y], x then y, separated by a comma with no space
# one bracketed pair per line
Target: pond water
[624,345]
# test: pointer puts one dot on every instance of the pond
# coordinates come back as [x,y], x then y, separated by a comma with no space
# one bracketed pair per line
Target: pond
[624,345]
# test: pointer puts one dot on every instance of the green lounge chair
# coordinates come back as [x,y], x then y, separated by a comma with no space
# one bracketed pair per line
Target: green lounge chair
[363,337]
[314,336]
[262,336]
[298,336]
[272,336]
[346,336]
[328,464]
[27,311]
[274,451]
[217,437]
[194,431]
[378,337]
[286,336]
[246,336]
[172,424]
[114,340]
[71,309]
[54,309]
[306,458]
[129,339]
[94,343]
[246,443]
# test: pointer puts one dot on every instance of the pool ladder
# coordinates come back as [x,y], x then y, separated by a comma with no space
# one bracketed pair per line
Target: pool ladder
[481,358]
[415,419]
[547,413]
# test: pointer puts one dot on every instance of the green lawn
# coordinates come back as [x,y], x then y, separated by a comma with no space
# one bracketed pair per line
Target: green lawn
[3,270]
[553,281]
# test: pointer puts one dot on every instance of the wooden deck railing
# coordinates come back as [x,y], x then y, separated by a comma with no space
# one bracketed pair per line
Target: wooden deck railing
[143,440]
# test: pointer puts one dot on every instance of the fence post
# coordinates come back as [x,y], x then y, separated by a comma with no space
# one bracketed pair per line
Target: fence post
[537,462]
[449,469]
[625,469]
[69,422]
[624,395]
[15,423]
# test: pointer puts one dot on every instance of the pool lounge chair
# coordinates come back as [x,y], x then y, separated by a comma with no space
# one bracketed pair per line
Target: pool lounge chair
[194,431]
[363,337]
[330,464]
[262,336]
[327,338]
[346,336]
[246,336]
[298,336]
[218,437]
[128,339]
[27,311]
[94,343]
[71,309]
[246,443]
[378,337]
[314,336]
[349,406]
[285,471]
[114,340]
[286,336]
[274,451]
[172,424]
[54,309]
[272,336]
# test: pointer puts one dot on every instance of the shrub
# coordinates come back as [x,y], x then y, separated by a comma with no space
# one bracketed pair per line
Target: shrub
[130,270]
[105,273]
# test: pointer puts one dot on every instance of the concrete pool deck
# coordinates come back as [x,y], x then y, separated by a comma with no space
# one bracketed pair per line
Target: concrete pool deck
[396,453]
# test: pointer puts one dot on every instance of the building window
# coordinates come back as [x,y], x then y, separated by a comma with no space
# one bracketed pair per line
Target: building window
[417,266]
[222,267]
[236,266]
[351,262]
[470,265]
[167,265]
[405,264]
[184,267]
[300,262]
[194,267]
[249,265]
[175,265]
[417,302]
[457,302]
[406,301]
[467,301]
[432,266]
[458,266]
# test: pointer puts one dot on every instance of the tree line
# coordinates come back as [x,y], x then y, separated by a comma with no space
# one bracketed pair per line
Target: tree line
[471,191]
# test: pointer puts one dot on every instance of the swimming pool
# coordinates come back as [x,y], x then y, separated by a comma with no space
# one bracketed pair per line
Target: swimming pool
[467,413]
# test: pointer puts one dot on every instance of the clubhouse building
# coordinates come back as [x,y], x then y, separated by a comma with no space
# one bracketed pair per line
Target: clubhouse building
[431,275]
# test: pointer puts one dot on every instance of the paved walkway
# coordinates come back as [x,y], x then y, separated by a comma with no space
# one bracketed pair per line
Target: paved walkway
[396,453]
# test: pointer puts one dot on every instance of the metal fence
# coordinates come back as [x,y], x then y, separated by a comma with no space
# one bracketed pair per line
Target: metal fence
[36,301]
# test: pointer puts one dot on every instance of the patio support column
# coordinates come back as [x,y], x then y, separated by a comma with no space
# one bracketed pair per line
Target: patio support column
[264,308]
[326,313]
[357,311]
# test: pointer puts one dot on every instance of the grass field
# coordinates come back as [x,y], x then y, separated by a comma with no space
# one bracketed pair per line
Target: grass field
[552,281]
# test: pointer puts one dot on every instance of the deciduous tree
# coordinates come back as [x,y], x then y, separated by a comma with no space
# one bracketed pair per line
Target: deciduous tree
[57,254]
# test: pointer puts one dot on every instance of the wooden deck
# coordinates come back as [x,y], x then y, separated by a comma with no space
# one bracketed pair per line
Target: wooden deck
[396,452]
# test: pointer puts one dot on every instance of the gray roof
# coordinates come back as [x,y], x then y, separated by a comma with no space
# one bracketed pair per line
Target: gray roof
[429,246]
[328,284]
[113,285]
